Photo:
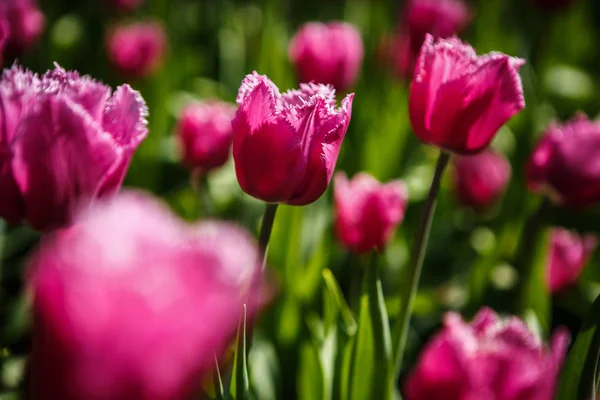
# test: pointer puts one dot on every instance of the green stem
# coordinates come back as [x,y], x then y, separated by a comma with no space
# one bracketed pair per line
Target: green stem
[265,231]
[416,263]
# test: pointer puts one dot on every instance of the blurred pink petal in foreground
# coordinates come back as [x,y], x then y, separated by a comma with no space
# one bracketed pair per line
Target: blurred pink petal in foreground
[566,163]
[65,140]
[205,134]
[137,50]
[23,24]
[285,146]
[490,358]
[367,212]
[125,5]
[327,53]
[459,100]
[569,254]
[131,303]
[480,180]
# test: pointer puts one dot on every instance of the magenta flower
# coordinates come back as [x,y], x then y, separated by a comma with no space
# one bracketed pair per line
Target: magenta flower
[285,146]
[23,24]
[327,53]
[480,180]
[564,163]
[64,142]
[489,358]
[137,50]
[205,134]
[367,212]
[569,254]
[459,100]
[125,5]
[132,303]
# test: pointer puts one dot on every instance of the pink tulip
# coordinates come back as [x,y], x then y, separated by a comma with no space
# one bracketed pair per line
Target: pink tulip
[480,180]
[459,100]
[569,254]
[395,50]
[64,142]
[23,23]
[285,146]
[367,212]
[205,134]
[327,53]
[488,359]
[125,5]
[565,163]
[132,303]
[137,50]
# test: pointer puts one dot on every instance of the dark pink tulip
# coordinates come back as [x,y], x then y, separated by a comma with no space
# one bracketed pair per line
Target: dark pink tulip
[367,212]
[125,5]
[569,253]
[205,134]
[489,358]
[137,50]
[565,163]
[480,180]
[24,23]
[65,140]
[327,53]
[459,100]
[285,146]
[131,303]
[395,50]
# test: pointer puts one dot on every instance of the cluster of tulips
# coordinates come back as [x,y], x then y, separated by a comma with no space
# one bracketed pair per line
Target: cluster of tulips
[130,302]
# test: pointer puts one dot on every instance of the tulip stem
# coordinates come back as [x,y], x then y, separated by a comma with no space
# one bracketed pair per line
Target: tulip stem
[408,294]
[265,231]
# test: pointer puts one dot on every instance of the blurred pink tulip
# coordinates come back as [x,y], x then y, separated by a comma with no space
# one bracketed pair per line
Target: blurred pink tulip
[205,134]
[367,212]
[64,141]
[23,24]
[131,303]
[569,254]
[480,180]
[327,53]
[489,358]
[137,50]
[459,100]
[125,5]
[565,163]
[285,146]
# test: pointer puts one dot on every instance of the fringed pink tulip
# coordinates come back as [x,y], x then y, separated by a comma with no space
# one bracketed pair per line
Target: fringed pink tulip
[205,134]
[327,53]
[137,50]
[132,303]
[459,100]
[65,140]
[480,180]
[569,254]
[489,358]
[285,146]
[125,5]
[367,212]
[565,163]
[23,24]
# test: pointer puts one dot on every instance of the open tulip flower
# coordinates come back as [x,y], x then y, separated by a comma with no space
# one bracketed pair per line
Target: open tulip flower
[569,254]
[285,146]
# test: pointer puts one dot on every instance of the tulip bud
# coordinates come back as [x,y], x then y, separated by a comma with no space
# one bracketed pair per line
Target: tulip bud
[489,358]
[569,254]
[23,24]
[480,180]
[137,50]
[367,212]
[458,100]
[285,146]
[132,303]
[205,134]
[65,140]
[564,163]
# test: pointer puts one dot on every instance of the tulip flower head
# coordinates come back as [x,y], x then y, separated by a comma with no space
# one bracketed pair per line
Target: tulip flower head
[367,212]
[285,146]
[565,163]
[490,358]
[327,53]
[569,254]
[132,303]
[458,101]
[23,24]
[65,141]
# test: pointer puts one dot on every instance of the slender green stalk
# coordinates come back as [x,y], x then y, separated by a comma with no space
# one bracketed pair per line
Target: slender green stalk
[265,231]
[416,263]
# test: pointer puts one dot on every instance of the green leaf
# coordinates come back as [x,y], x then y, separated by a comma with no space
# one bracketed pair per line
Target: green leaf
[240,384]
[335,304]
[536,297]
[218,382]
[579,376]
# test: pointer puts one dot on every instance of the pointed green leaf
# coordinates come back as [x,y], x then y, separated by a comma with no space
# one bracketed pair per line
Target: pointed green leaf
[240,384]
[218,382]
[335,302]
[536,297]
